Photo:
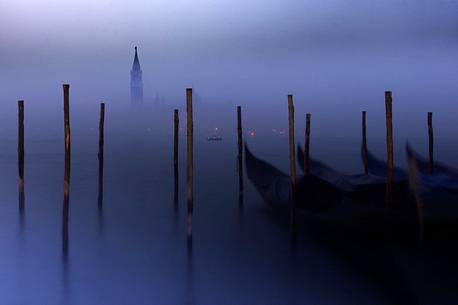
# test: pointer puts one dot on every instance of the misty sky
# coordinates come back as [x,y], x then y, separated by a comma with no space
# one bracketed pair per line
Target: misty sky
[332,54]
[164,26]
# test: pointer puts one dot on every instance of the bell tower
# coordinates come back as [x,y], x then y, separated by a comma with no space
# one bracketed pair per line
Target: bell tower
[136,82]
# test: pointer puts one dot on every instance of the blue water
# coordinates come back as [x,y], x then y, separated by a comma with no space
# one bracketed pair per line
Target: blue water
[134,250]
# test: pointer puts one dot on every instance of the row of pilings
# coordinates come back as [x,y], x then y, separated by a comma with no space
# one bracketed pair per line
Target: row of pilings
[190,156]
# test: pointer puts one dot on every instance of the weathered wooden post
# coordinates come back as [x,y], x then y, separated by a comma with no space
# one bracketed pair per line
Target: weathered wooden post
[190,161]
[65,213]
[175,157]
[240,153]
[364,143]
[20,151]
[176,120]
[292,160]
[101,153]
[307,144]
[67,136]
[389,148]
[431,142]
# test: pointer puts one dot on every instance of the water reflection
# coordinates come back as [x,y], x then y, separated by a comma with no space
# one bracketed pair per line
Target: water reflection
[100,189]
[65,239]
[65,216]
[100,193]
[189,294]
[100,218]
[266,257]
[175,188]
[21,197]
[189,258]
[240,179]
[189,230]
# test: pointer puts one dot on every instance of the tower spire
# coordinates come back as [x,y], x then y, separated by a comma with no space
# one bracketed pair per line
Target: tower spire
[136,64]
[136,83]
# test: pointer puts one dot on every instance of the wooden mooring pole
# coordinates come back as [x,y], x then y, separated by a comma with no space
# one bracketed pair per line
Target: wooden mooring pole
[364,143]
[20,151]
[65,213]
[307,144]
[431,142]
[67,136]
[101,153]
[389,148]
[190,161]
[292,159]
[176,120]
[240,153]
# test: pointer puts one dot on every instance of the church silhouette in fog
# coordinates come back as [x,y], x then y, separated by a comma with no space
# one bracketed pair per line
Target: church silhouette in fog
[136,82]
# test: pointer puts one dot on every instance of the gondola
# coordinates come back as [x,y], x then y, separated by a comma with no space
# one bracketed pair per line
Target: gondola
[368,188]
[274,187]
[436,189]
[323,204]
[362,236]
[378,168]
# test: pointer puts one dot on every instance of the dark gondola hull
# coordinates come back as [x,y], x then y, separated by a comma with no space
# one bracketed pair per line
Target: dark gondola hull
[368,189]
[323,207]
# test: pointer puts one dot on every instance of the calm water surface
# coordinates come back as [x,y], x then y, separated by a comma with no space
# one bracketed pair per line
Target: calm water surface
[133,250]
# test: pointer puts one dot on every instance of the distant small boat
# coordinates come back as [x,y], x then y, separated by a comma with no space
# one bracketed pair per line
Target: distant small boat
[214,138]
